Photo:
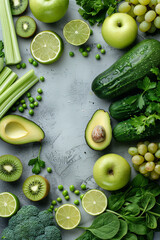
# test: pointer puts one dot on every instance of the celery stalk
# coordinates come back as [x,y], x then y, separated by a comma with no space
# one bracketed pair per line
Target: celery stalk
[4,74]
[6,105]
[16,85]
[8,82]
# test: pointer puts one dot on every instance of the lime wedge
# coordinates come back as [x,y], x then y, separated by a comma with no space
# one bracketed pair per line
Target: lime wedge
[68,216]
[46,47]
[94,202]
[9,204]
[76,32]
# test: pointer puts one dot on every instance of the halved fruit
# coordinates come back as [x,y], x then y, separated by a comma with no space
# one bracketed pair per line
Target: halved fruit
[9,204]
[18,6]
[25,26]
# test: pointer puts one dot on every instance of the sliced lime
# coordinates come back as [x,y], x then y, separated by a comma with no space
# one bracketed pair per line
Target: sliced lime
[76,32]
[46,47]
[9,204]
[94,202]
[68,216]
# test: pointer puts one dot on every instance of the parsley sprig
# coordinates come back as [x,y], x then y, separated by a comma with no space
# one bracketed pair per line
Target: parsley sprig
[37,163]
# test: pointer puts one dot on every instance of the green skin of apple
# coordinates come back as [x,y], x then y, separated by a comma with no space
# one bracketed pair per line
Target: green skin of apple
[48,11]
[119,30]
[111,172]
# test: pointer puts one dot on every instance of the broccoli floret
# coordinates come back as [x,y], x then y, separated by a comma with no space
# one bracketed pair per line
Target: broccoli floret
[52,233]
[31,224]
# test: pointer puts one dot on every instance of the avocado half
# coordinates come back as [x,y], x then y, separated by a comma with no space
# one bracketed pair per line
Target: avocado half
[18,130]
[99,119]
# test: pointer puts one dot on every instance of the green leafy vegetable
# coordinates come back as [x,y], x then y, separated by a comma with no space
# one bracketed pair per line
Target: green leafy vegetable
[37,163]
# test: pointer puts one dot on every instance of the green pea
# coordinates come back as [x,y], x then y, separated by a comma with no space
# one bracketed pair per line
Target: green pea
[72,188]
[50,210]
[83,187]
[22,101]
[59,199]
[31,99]
[36,104]
[54,202]
[55,209]
[39,90]
[77,192]
[13,109]
[103,51]
[28,94]
[31,112]
[65,193]
[97,57]
[24,105]
[67,197]
[99,46]
[88,49]
[71,54]
[39,98]
[76,202]
[81,196]
[32,105]
[42,78]
[21,109]
[23,65]
[91,32]
[85,54]
[30,60]
[81,49]
[51,207]
[18,66]
[60,187]
[35,64]
[17,103]
[49,170]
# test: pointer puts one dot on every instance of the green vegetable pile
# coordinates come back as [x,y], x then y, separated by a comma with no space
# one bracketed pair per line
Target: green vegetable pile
[31,224]
[1,56]
[133,213]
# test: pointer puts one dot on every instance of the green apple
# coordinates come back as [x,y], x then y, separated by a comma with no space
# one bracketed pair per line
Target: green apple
[119,30]
[111,172]
[48,11]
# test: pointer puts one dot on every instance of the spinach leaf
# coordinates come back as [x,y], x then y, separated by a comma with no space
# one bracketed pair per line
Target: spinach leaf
[150,235]
[147,202]
[116,201]
[105,226]
[139,181]
[138,227]
[130,236]
[122,230]
[152,188]
[151,221]
[131,209]
[87,236]
[134,195]
[155,210]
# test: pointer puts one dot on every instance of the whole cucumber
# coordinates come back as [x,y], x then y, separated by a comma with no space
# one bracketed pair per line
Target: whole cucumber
[123,75]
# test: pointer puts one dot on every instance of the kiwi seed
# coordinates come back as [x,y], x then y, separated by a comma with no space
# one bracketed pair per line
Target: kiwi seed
[25,26]
[18,6]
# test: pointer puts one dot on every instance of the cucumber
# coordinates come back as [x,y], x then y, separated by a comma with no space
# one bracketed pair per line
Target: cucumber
[123,75]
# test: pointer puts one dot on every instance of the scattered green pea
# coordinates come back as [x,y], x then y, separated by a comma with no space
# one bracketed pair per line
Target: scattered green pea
[39,90]
[30,60]
[31,112]
[17,103]
[31,99]
[28,94]
[85,54]
[59,199]
[35,64]
[21,109]
[50,210]
[42,78]
[88,49]
[83,187]
[97,56]
[24,105]
[65,193]
[23,65]
[18,66]
[54,202]
[81,196]
[91,32]
[81,50]
[22,101]
[32,105]
[103,51]
[72,188]
[49,170]
[60,187]
[55,209]
[77,192]
[76,202]
[36,104]
[51,207]
[67,197]
[13,109]
[99,46]
[39,98]
[71,54]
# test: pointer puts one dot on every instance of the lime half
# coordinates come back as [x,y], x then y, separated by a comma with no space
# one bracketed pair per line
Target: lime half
[94,202]
[68,216]
[76,32]
[46,47]
[9,204]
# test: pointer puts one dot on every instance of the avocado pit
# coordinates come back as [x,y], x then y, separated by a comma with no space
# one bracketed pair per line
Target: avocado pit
[98,134]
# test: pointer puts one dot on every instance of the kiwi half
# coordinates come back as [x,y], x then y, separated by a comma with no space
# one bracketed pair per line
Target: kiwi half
[36,187]
[18,6]
[25,26]
[10,168]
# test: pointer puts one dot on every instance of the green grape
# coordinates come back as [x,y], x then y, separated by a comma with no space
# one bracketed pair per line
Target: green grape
[139,144]
[153,3]
[157,8]
[154,175]
[131,11]
[150,166]
[157,22]
[146,143]
[124,7]
[144,2]
[150,16]
[152,147]
[142,149]
[135,2]
[144,26]
[149,157]
[133,151]
[140,10]
[140,18]
[137,159]
[157,168]
[147,174]
[136,167]
[158,1]
[142,168]
[157,154]
[152,28]
[158,144]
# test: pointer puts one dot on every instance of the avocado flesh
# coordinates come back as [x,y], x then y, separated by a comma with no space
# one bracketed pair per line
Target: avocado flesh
[15,129]
[100,117]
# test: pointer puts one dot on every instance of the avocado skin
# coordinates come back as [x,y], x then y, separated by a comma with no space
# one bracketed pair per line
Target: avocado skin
[100,117]
[35,132]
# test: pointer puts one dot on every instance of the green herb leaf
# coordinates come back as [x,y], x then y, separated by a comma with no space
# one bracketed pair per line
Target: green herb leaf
[132,209]
[37,163]
[116,201]
[147,202]
[122,230]
[151,221]
[141,102]
[32,161]
[36,169]
[138,227]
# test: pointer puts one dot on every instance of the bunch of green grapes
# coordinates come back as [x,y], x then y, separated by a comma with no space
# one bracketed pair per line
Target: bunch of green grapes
[146,159]
[146,13]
